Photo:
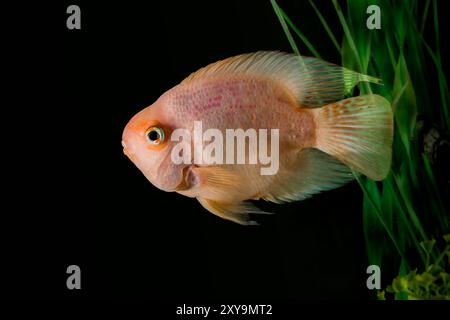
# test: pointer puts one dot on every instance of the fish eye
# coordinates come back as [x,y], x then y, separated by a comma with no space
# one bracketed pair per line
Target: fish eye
[155,135]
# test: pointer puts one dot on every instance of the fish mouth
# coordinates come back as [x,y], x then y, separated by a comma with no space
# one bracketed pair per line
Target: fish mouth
[125,150]
[128,154]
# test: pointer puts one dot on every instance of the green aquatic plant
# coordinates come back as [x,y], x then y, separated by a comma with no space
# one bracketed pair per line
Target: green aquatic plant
[406,210]
[432,284]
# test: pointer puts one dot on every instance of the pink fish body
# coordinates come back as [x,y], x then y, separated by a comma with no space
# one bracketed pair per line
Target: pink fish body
[317,139]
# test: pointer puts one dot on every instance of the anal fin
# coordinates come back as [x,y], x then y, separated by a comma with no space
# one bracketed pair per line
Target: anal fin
[314,171]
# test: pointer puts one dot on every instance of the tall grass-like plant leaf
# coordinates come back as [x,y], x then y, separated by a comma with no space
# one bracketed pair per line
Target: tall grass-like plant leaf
[369,195]
[440,210]
[326,27]
[405,111]
[405,210]
[281,17]
[436,31]
[442,83]
[424,16]
[443,87]
[285,19]
[348,34]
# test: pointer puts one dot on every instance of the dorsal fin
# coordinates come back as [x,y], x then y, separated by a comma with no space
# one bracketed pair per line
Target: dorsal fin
[312,81]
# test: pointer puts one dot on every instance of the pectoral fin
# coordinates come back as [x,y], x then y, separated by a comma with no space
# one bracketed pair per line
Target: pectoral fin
[236,212]
[219,184]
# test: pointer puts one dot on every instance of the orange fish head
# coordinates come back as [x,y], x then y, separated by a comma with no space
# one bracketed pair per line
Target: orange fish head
[146,142]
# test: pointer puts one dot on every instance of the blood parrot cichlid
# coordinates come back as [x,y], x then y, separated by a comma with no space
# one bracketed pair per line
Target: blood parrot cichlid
[321,137]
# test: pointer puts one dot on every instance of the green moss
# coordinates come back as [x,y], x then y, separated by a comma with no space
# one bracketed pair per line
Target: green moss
[432,284]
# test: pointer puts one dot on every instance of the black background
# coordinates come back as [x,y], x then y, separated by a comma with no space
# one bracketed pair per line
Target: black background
[76,199]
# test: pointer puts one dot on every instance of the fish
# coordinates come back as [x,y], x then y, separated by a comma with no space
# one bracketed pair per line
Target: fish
[324,136]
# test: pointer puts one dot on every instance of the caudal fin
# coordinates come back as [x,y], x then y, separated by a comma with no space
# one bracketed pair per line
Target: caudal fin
[358,131]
